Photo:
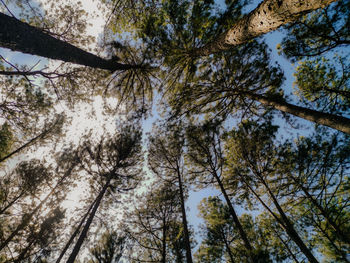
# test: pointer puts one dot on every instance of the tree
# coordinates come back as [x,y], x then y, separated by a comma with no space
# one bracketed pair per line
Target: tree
[251,159]
[317,33]
[116,163]
[222,239]
[14,35]
[152,226]
[109,249]
[268,16]
[50,129]
[166,160]
[6,139]
[54,192]
[206,155]
[314,175]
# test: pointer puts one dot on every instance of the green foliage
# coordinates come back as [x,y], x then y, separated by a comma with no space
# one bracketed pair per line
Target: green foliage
[109,248]
[318,32]
[6,139]
[324,84]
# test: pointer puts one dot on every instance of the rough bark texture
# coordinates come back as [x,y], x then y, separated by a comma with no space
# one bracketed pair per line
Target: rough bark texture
[19,36]
[334,121]
[267,17]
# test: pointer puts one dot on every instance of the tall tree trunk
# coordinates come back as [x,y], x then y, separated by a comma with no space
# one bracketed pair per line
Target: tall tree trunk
[13,201]
[75,233]
[289,226]
[31,141]
[184,218]
[241,231]
[282,220]
[341,235]
[267,17]
[85,230]
[287,247]
[227,245]
[20,36]
[334,121]
[26,219]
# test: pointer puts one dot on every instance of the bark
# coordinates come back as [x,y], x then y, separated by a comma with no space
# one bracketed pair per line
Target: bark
[227,245]
[75,233]
[20,36]
[331,120]
[267,17]
[26,219]
[241,231]
[85,230]
[341,235]
[184,219]
[283,220]
[289,226]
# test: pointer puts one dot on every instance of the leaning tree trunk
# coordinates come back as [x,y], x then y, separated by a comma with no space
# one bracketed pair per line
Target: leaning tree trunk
[331,120]
[75,233]
[20,36]
[267,17]
[85,230]
[26,219]
[235,218]
[289,226]
[40,136]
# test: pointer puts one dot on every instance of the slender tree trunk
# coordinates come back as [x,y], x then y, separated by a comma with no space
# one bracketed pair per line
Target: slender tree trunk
[235,217]
[26,219]
[267,17]
[334,121]
[31,141]
[85,230]
[20,36]
[282,220]
[287,247]
[342,236]
[75,233]
[227,245]
[3,210]
[289,226]
[184,218]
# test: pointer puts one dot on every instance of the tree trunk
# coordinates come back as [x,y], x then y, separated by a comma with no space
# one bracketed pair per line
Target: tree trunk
[26,219]
[184,219]
[267,17]
[334,121]
[241,231]
[282,220]
[341,235]
[227,245]
[85,230]
[75,233]
[289,226]
[20,36]
[31,141]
